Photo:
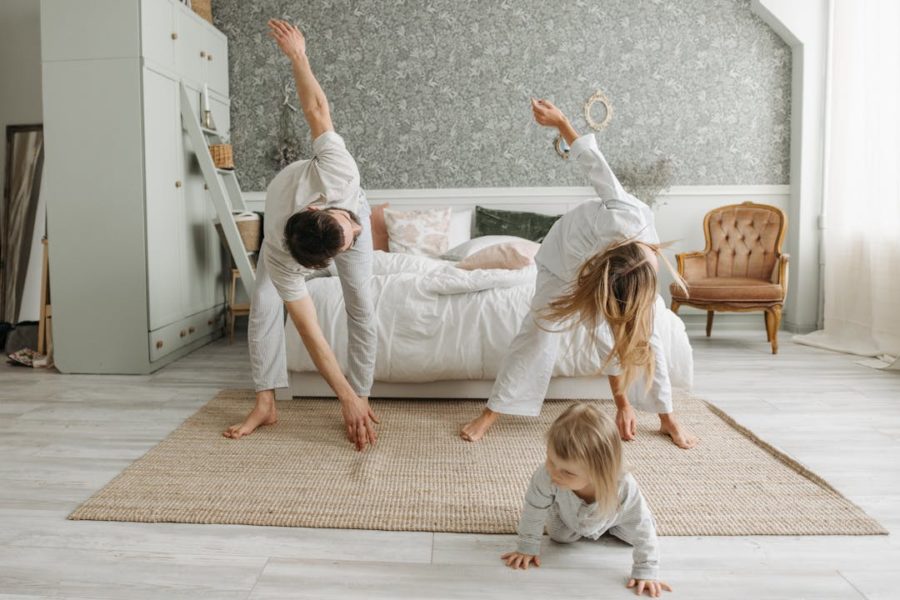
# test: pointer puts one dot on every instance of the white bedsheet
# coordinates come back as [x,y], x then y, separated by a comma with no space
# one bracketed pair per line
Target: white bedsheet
[437,322]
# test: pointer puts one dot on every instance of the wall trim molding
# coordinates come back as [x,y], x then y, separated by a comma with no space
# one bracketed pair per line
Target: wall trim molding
[537,195]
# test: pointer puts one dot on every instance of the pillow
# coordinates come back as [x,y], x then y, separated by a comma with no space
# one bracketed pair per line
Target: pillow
[505,255]
[469,248]
[528,225]
[379,229]
[422,232]
[460,227]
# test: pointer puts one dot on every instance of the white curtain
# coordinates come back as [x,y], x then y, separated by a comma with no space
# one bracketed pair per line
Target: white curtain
[862,183]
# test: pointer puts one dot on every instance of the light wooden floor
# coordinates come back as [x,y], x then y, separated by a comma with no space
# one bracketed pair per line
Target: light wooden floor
[64,437]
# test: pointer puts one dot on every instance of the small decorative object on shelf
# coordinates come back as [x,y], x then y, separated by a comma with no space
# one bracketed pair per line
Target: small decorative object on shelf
[202,8]
[249,226]
[207,119]
[222,156]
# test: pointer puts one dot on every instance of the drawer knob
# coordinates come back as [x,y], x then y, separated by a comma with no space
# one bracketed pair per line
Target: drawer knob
[191,329]
[159,344]
[202,54]
[209,57]
[182,333]
[174,36]
[178,183]
[210,322]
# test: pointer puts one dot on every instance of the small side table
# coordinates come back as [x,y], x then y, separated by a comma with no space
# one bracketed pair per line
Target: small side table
[235,310]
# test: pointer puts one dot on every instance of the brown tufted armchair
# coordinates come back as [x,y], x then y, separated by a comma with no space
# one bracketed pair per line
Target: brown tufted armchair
[742,268]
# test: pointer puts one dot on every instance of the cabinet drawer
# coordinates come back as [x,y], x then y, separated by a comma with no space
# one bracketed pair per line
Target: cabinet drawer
[182,333]
[216,61]
[190,51]
[159,34]
[98,29]
[201,53]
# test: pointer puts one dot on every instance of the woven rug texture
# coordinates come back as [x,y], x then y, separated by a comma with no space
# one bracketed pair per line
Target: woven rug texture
[302,472]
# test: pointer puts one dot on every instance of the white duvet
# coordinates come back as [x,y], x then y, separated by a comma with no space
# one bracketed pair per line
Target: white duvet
[437,322]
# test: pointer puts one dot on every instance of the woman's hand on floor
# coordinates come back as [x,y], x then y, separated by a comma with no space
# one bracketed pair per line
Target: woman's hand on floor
[517,560]
[626,422]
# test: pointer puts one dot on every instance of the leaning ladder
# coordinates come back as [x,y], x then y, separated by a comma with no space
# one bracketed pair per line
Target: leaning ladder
[224,188]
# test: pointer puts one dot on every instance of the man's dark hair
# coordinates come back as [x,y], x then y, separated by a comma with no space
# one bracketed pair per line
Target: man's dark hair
[313,237]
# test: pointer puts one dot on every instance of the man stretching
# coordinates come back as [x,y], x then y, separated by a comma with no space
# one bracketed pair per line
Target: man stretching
[315,212]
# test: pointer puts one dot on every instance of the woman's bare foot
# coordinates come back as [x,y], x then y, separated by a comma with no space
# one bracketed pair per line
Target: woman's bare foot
[680,436]
[475,429]
[263,413]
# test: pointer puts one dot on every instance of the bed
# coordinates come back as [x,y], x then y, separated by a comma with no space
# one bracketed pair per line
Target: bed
[442,332]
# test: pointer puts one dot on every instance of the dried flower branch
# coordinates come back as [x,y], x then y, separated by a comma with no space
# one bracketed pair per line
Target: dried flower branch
[287,148]
[647,183]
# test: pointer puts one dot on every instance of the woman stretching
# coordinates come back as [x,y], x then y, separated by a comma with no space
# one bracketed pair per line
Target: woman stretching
[596,267]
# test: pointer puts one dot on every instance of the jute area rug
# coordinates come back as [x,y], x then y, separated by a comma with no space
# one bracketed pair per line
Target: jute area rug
[302,472]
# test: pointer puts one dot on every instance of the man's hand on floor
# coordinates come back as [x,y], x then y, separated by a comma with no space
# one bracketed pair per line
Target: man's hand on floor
[360,420]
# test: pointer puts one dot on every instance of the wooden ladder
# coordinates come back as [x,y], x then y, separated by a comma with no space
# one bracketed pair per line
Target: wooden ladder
[223,187]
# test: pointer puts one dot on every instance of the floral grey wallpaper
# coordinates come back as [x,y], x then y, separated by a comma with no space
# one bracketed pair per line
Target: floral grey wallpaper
[434,93]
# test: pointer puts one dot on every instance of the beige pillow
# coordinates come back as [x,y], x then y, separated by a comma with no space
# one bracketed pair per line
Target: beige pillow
[421,232]
[506,255]
[379,229]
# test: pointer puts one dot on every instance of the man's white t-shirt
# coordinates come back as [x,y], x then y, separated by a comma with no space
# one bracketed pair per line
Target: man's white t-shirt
[329,179]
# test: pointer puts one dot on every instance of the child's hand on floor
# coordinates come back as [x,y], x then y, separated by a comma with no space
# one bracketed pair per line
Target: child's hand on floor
[517,560]
[653,587]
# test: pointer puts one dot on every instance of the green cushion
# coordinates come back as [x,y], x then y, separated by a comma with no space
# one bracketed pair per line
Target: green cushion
[531,226]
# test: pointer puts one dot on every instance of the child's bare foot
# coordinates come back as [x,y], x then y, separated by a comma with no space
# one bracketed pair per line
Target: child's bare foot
[475,429]
[680,436]
[263,413]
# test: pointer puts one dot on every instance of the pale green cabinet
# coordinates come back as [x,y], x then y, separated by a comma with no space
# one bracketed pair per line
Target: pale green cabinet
[136,269]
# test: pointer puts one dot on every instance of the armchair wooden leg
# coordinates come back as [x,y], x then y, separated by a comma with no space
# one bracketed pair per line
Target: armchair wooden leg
[709,322]
[675,306]
[776,323]
[768,330]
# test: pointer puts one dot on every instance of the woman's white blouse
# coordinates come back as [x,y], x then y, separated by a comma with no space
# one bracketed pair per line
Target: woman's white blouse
[614,216]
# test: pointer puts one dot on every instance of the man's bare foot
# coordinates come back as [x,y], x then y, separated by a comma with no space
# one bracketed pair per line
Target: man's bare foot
[263,413]
[475,429]
[680,436]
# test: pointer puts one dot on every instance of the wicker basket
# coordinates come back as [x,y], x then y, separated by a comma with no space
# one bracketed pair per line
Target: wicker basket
[203,8]
[221,155]
[249,226]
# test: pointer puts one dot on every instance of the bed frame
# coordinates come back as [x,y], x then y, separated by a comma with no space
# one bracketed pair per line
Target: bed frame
[312,385]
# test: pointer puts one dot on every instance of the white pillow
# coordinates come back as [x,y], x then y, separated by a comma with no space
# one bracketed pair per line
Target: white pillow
[421,232]
[469,248]
[460,227]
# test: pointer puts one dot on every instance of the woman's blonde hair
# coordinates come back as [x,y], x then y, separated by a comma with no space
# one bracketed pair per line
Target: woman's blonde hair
[583,434]
[618,286]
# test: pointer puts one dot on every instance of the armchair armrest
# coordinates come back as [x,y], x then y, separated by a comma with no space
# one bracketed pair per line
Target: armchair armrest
[780,272]
[692,265]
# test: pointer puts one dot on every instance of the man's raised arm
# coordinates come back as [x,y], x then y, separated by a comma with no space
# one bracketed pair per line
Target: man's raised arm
[312,98]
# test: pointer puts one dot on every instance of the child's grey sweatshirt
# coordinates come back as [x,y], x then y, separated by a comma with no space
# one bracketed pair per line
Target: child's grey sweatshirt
[632,521]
